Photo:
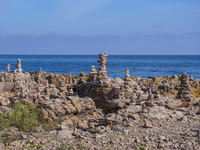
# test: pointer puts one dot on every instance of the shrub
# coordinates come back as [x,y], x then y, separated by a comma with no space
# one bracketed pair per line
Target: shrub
[4,121]
[24,117]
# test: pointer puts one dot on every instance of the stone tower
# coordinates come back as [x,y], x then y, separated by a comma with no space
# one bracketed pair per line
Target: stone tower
[102,73]
[184,92]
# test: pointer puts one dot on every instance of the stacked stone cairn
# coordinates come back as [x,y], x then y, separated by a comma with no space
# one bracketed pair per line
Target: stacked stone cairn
[92,74]
[8,67]
[102,73]
[18,66]
[127,78]
[184,93]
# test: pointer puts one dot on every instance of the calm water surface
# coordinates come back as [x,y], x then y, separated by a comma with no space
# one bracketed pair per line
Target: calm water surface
[139,65]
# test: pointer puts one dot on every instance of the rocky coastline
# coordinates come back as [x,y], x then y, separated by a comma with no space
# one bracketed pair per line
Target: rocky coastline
[93,111]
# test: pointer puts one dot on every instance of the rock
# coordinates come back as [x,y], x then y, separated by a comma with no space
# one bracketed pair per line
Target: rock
[134,109]
[82,124]
[172,105]
[63,126]
[137,140]
[6,86]
[148,124]
[15,143]
[4,101]
[115,104]
[112,119]
[65,134]
[2,147]
[196,118]
[134,116]
[198,134]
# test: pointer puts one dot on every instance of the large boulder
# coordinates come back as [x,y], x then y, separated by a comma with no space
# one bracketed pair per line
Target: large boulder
[6,86]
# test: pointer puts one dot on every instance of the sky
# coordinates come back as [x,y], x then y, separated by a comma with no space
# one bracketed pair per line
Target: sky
[121,27]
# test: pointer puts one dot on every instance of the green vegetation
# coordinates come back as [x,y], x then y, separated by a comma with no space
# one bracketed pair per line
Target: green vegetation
[4,121]
[57,85]
[62,147]
[135,147]
[80,146]
[32,145]
[22,116]
[7,138]
[77,146]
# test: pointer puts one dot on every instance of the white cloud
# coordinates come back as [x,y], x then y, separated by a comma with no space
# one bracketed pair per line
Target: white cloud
[75,8]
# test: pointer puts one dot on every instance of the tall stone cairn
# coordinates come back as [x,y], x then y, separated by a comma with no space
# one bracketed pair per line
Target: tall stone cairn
[102,73]
[184,92]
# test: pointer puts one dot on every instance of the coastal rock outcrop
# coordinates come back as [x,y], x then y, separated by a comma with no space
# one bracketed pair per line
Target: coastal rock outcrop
[98,111]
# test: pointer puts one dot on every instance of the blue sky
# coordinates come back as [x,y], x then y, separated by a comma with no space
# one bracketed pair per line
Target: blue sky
[146,27]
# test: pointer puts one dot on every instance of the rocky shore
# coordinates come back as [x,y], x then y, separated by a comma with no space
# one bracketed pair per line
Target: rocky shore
[93,111]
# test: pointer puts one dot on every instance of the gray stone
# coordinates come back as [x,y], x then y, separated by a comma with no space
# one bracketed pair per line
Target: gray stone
[65,134]
[115,104]
[6,86]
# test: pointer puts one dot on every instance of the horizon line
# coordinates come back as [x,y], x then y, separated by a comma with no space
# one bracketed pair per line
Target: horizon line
[114,54]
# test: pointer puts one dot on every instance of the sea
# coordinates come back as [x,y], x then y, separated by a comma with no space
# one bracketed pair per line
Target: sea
[138,65]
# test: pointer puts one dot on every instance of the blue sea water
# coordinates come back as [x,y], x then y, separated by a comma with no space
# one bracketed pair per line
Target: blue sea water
[139,65]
